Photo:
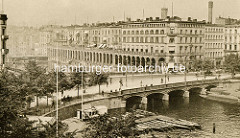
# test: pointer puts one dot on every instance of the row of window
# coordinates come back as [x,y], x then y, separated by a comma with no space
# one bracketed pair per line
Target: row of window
[214,54]
[146,32]
[137,32]
[230,47]
[190,32]
[213,36]
[208,30]
[161,40]
[191,25]
[143,25]
[214,45]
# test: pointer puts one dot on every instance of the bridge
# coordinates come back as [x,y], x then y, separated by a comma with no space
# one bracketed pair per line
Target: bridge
[122,98]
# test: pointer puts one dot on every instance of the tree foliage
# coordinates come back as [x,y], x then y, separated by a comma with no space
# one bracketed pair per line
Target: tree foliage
[98,79]
[105,127]
[232,63]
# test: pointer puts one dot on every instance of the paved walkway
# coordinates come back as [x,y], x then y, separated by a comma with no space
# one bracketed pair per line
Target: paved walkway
[134,81]
[139,80]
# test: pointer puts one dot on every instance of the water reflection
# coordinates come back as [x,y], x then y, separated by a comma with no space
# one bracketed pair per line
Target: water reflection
[205,112]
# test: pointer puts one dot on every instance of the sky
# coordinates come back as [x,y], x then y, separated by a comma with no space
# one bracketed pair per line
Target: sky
[67,12]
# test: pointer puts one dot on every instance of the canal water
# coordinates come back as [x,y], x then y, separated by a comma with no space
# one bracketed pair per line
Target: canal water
[202,111]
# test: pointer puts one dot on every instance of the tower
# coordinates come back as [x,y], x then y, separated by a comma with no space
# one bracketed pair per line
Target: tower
[164,13]
[210,11]
[4,50]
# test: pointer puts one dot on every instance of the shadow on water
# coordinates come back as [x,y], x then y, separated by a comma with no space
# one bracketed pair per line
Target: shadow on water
[196,109]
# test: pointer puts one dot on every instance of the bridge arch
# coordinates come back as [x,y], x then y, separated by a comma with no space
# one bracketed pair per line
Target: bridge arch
[160,61]
[143,61]
[138,61]
[129,60]
[111,59]
[94,57]
[176,93]
[120,59]
[133,102]
[104,58]
[133,61]
[148,61]
[153,61]
[116,59]
[124,60]
[100,58]
[108,62]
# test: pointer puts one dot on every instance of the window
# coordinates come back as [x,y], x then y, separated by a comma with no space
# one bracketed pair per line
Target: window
[137,39]
[171,40]
[146,40]
[162,31]
[235,47]
[180,31]
[151,39]
[156,40]
[156,32]
[146,32]
[124,39]
[151,32]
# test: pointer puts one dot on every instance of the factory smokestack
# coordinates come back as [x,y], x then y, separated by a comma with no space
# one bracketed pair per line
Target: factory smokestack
[164,12]
[210,11]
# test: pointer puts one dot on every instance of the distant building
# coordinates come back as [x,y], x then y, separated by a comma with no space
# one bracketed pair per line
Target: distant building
[173,41]
[232,39]
[226,21]
[214,43]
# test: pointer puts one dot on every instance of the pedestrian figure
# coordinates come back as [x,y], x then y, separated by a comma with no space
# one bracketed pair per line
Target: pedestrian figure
[214,128]
[168,78]
[53,103]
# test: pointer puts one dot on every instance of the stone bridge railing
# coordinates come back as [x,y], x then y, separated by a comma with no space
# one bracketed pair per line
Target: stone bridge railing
[70,110]
[164,86]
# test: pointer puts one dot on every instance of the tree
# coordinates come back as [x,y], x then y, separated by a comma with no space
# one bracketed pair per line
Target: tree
[11,106]
[232,63]
[104,126]
[207,65]
[98,79]
[77,79]
[64,82]
[197,64]
[34,78]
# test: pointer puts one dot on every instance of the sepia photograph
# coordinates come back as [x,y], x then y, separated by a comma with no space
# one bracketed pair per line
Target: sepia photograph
[120,69]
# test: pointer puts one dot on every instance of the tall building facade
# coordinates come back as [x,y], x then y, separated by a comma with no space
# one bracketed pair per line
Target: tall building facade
[232,39]
[175,41]
[214,43]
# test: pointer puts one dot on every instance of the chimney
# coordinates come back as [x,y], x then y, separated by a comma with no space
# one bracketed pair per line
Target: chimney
[164,12]
[151,18]
[210,11]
